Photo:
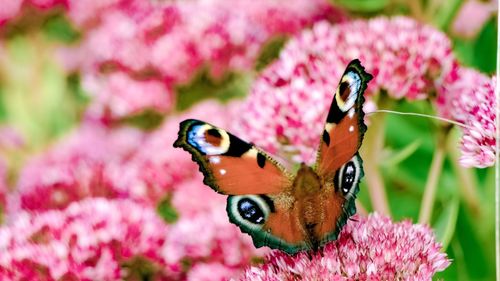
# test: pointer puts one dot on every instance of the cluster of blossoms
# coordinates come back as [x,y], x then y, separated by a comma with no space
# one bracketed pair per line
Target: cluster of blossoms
[132,167]
[479,140]
[175,41]
[97,161]
[468,97]
[370,248]
[89,240]
[407,59]
[133,53]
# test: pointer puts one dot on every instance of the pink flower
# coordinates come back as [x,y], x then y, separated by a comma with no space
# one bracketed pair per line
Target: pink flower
[9,10]
[287,107]
[479,139]
[467,96]
[472,16]
[455,98]
[170,42]
[76,168]
[120,95]
[204,236]
[372,248]
[96,161]
[92,239]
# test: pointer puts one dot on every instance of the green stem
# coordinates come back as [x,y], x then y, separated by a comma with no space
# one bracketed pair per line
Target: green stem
[372,147]
[466,180]
[416,10]
[433,177]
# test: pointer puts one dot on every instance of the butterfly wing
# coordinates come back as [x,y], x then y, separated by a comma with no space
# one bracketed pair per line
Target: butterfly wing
[344,128]
[230,165]
[338,164]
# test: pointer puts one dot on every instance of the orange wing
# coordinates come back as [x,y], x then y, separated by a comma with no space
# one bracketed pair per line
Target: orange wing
[344,128]
[230,165]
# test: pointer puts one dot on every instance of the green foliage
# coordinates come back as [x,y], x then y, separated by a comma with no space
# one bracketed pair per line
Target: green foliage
[481,52]
[167,211]
[204,86]
[270,52]
[57,27]
[365,6]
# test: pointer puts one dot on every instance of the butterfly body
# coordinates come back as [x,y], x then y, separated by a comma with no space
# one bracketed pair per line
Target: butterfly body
[282,210]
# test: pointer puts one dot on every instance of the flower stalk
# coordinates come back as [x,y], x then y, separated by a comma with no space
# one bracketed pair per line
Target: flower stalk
[435,170]
[373,145]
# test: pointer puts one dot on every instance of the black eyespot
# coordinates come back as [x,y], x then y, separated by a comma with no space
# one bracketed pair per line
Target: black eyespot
[348,177]
[250,211]
[214,132]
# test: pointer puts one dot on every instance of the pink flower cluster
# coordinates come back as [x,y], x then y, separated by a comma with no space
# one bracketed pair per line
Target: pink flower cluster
[372,248]
[469,98]
[132,170]
[479,140]
[150,47]
[96,161]
[288,103]
[90,240]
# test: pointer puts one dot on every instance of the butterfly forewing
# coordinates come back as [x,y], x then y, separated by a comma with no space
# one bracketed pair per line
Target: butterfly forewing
[344,128]
[230,165]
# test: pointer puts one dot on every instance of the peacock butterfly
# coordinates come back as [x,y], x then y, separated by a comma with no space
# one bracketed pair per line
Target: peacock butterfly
[288,212]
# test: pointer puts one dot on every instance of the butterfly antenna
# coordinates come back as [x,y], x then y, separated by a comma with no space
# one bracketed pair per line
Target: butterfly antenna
[420,115]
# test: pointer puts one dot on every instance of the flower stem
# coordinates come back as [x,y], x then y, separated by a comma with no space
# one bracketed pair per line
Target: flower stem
[466,180]
[372,146]
[433,176]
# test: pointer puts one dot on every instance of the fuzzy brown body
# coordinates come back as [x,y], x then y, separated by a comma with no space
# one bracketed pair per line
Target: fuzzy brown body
[311,193]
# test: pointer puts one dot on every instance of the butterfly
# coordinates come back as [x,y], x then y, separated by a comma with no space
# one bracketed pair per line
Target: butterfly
[292,213]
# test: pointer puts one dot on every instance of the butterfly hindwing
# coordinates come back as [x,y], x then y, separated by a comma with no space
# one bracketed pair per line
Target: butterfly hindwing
[270,220]
[230,165]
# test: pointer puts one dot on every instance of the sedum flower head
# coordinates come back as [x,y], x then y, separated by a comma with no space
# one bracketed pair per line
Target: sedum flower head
[369,248]
[478,143]
[89,240]
[468,97]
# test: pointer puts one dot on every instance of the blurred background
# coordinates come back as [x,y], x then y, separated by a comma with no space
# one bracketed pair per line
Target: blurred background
[92,92]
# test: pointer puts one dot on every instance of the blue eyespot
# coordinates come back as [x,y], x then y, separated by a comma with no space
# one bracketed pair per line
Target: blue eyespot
[250,211]
[348,177]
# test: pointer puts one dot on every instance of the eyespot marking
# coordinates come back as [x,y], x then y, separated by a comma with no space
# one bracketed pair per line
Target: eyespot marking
[251,211]
[348,90]
[347,177]
[208,140]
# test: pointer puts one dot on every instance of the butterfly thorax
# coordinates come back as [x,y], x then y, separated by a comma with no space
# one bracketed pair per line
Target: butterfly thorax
[307,190]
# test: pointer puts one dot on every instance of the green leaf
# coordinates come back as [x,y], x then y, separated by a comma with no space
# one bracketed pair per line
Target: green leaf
[167,211]
[147,120]
[485,48]
[270,52]
[363,6]
[203,87]
[57,27]
[402,154]
[444,227]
